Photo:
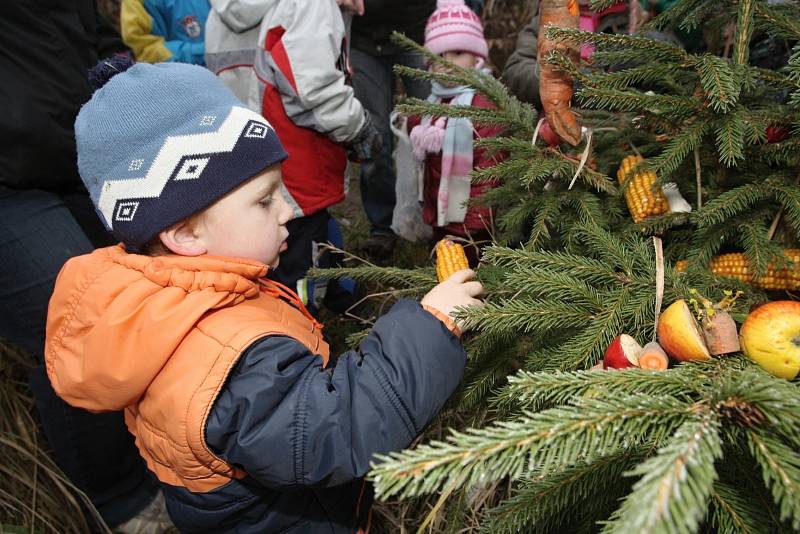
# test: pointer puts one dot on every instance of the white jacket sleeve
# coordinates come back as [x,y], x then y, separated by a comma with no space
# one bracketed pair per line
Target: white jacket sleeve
[309,70]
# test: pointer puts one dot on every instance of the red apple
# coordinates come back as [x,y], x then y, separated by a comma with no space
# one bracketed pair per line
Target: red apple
[680,335]
[776,133]
[623,352]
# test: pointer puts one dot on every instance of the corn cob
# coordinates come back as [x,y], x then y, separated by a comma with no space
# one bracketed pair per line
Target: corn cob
[642,200]
[734,265]
[450,258]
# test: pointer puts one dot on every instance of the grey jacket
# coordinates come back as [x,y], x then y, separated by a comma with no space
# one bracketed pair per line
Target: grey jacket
[521,73]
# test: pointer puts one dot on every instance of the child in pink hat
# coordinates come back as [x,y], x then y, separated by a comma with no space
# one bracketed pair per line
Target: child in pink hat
[447,145]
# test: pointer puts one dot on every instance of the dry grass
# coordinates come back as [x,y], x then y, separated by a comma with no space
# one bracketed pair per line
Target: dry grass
[34,494]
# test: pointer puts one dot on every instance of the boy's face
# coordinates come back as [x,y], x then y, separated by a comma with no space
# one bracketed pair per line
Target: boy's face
[467,60]
[249,222]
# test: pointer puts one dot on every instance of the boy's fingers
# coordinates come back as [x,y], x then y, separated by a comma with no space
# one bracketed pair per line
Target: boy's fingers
[462,276]
[474,288]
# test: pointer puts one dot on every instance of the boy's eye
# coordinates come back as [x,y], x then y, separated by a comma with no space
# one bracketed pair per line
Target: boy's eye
[265,202]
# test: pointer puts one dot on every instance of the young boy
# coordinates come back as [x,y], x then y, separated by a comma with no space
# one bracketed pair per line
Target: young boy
[223,375]
[446,145]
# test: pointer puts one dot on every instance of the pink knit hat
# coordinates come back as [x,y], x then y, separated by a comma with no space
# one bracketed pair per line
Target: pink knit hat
[455,27]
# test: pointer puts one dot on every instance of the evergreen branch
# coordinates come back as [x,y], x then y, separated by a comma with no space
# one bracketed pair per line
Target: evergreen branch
[678,148]
[774,78]
[789,197]
[548,208]
[480,116]
[665,51]
[744,31]
[730,138]
[661,223]
[717,81]
[780,469]
[546,284]
[512,219]
[542,168]
[607,246]
[507,170]
[735,513]
[752,391]
[600,5]
[354,340]
[533,391]
[778,20]
[648,73]
[542,504]
[587,269]
[676,484]
[757,246]
[675,107]
[484,373]
[585,348]
[730,203]
[784,152]
[675,16]
[543,441]
[591,178]
[421,278]
[588,207]
[525,315]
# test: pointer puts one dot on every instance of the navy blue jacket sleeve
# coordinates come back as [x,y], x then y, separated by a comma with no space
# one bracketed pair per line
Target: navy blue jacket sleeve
[288,422]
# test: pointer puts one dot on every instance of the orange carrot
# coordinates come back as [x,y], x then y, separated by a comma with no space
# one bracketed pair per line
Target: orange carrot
[653,357]
[555,86]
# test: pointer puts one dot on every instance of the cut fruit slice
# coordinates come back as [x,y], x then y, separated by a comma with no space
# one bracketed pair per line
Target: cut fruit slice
[680,335]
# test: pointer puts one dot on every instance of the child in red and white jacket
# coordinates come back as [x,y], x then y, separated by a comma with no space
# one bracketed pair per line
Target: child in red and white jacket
[447,145]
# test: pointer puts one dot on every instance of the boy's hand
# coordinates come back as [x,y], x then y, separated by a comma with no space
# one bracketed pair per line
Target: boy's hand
[461,289]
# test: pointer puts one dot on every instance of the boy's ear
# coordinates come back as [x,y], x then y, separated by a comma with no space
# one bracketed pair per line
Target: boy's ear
[182,239]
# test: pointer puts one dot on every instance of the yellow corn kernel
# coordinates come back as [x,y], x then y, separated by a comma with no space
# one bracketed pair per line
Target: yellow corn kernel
[450,258]
[734,265]
[643,201]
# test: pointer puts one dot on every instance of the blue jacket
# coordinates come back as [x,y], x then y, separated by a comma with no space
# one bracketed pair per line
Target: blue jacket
[165,30]
[305,435]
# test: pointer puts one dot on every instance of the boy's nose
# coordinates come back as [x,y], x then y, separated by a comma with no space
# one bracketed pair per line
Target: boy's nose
[287,213]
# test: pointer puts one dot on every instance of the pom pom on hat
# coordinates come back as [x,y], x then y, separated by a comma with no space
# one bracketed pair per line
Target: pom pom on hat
[454,27]
[107,69]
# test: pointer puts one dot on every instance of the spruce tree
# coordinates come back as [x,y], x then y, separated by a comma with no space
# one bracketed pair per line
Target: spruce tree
[700,447]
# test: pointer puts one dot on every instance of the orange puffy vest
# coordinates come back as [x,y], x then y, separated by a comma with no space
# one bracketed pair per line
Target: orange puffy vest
[159,337]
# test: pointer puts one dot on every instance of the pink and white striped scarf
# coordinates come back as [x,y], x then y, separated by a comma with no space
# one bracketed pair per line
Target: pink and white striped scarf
[453,137]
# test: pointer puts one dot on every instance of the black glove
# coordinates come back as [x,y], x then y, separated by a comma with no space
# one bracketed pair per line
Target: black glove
[367,144]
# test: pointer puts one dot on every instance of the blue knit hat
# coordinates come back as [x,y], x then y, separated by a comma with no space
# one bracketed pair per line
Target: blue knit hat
[158,143]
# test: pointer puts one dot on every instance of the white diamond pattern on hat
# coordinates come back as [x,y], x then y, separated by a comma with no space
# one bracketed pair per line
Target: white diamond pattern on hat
[192,168]
[257,129]
[172,153]
[208,120]
[126,211]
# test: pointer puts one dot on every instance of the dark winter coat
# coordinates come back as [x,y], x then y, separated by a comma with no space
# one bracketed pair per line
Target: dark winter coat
[371,33]
[46,48]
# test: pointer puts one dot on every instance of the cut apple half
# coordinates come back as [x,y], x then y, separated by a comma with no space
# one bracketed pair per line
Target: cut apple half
[623,352]
[679,333]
